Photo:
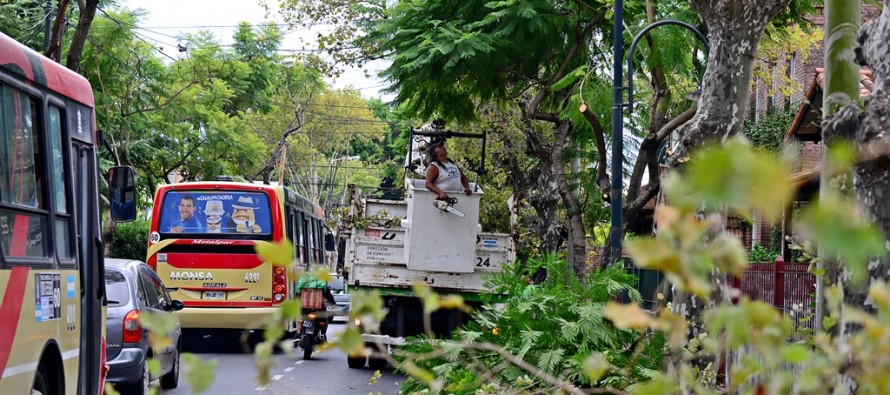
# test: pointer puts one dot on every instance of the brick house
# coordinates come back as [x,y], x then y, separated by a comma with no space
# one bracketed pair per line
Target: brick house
[804,134]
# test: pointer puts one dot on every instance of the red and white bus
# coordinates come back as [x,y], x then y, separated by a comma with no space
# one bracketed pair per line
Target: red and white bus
[202,246]
[51,265]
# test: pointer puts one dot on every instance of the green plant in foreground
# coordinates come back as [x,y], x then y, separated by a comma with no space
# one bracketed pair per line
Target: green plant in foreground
[554,328]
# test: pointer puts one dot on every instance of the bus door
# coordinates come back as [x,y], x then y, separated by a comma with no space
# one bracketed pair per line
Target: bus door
[90,256]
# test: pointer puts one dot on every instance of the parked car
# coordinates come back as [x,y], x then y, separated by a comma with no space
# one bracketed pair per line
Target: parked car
[342,298]
[134,289]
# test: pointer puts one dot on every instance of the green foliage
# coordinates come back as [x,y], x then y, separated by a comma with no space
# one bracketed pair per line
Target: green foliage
[553,324]
[735,176]
[130,240]
[23,21]
[690,247]
[769,132]
[760,254]
[448,56]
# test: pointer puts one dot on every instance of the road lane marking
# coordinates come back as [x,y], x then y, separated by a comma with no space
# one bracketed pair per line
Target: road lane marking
[298,363]
[288,369]
[277,377]
[260,388]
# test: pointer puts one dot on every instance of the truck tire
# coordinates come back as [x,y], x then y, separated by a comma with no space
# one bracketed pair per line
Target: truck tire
[356,363]
[376,363]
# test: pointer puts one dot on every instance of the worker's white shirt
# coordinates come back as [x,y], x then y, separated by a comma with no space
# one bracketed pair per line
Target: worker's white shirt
[449,178]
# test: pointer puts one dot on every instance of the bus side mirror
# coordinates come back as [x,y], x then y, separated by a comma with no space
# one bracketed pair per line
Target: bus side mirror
[329,242]
[122,188]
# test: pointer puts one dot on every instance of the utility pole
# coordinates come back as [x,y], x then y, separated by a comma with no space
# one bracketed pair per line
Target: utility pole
[47,20]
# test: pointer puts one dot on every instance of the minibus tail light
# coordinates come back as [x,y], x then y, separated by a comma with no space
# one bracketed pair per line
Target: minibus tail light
[279,284]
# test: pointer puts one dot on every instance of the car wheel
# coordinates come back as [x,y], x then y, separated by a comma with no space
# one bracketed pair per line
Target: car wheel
[171,379]
[140,387]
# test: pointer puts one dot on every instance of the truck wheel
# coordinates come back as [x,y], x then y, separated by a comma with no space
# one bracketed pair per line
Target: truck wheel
[308,343]
[356,363]
[376,363]
[377,360]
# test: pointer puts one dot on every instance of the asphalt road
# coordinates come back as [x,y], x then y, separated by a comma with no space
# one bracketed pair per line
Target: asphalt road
[325,373]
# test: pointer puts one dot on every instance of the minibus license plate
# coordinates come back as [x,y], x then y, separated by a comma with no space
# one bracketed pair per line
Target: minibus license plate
[214,295]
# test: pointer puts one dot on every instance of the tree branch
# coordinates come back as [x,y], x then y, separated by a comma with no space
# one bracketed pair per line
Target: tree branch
[579,41]
[603,181]
[675,123]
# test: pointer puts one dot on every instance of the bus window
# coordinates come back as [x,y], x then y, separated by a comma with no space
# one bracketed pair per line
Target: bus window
[301,237]
[307,228]
[316,242]
[59,175]
[21,175]
[19,160]
[293,232]
[206,212]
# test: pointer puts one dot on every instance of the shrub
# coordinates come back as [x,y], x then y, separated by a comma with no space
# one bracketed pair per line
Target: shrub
[130,240]
[554,325]
[759,254]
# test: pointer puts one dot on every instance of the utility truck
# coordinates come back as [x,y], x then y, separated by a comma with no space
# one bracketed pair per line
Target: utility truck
[393,244]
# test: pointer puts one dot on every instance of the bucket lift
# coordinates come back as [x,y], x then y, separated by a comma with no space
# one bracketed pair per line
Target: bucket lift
[441,236]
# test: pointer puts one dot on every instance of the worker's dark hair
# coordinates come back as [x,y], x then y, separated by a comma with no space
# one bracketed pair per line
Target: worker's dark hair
[431,152]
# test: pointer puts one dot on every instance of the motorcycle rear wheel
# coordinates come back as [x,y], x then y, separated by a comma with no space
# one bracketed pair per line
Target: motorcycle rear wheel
[308,344]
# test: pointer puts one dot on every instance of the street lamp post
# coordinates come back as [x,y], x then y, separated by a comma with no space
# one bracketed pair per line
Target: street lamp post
[615,194]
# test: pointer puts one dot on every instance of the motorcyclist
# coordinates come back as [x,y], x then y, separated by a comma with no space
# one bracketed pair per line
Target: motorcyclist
[309,281]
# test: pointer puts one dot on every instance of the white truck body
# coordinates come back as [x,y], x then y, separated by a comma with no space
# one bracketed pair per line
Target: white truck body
[444,251]
[420,243]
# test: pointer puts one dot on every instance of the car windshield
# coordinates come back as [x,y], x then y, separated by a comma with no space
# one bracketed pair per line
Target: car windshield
[116,288]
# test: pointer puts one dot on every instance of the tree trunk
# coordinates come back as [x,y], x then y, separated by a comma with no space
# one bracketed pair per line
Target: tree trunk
[871,180]
[54,49]
[734,29]
[534,183]
[573,208]
[75,52]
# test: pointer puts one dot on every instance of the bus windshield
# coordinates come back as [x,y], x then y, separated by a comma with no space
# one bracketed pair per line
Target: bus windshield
[207,212]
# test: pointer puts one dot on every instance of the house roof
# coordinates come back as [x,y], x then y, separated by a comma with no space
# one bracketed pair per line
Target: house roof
[806,125]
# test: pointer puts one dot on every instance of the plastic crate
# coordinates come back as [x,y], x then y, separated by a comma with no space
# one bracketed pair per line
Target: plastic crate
[311,298]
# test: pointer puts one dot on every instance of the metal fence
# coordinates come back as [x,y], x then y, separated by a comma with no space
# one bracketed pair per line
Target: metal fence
[781,284]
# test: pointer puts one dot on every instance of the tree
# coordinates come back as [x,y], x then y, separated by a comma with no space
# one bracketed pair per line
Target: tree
[865,130]
[84,21]
[24,21]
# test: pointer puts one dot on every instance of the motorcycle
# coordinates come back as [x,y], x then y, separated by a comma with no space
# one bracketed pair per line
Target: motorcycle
[312,324]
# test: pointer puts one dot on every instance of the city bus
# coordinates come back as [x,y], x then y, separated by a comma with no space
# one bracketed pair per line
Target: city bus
[201,244]
[51,264]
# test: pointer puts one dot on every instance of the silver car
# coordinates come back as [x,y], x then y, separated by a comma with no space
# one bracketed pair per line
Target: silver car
[133,288]
[343,299]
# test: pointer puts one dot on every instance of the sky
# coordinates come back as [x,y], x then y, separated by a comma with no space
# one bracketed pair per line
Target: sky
[166,19]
